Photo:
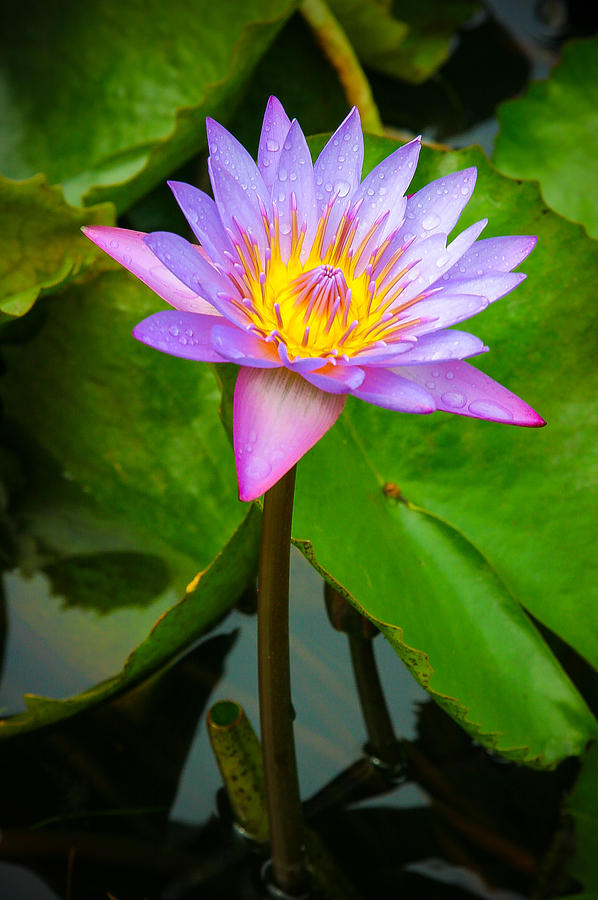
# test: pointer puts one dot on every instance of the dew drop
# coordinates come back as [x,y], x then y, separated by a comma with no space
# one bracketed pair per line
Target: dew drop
[370,192]
[282,174]
[173,330]
[487,409]
[265,162]
[465,191]
[347,136]
[450,375]
[258,468]
[293,176]
[183,340]
[189,332]
[272,146]
[452,398]
[431,385]
[435,374]
[114,245]
[249,447]
[342,188]
[328,186]
[430,221]
[127,260]
[285,228]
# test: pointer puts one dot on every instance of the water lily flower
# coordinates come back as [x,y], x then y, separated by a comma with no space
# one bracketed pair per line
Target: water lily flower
[319,285]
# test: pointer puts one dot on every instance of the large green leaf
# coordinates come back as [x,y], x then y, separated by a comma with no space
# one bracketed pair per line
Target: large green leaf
[126,87]
[496,516]
[583,806]
[42,246]
[209,596]
[551,134]
[138,430]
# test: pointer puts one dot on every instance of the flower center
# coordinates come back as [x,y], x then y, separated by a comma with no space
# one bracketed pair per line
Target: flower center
[341,301]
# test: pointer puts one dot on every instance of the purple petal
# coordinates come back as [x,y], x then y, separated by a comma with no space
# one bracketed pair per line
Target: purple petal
[129,249]
[226,151]
[337,170]
[180,334]
[275,128]
[491,255]
[384,187]
[435,263]
[460,388]
[190,267]
[336,379]
[300,364]
[295,185]
[443,310]
[437,207]
[236,207]
[443,346]
[244,348]
[385,388]
[202,215]
[277,418]
[491,286]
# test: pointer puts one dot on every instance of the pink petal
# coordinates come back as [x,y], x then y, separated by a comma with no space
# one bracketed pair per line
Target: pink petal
[244,348]
[275,128]
[300,364]
[180,334]
[460,388]
[336,379]
[277,418]
[128,248]
[500,254]
[385,388]
[384,187]
[294,185]
[437,207]
[337,169]
[202,215]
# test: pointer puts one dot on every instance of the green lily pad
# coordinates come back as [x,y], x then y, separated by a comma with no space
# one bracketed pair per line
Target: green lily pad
[551,134]
[130,87]
[42,246]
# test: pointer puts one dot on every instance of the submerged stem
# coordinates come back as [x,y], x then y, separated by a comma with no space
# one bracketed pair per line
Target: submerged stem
[276,712]
[341,55]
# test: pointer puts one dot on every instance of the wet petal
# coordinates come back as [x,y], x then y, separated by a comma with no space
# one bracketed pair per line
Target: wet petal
[227,152]
[294,185]
[438,205]
[236,207]
[244,348]
[180,334]
[460,388]
[202,215]
[336,379]
[277,418]
[492,255]
[275,128]
[129,249]
[441,311]
[189,266]
[491,286]
[384,187]
[337,170]
[391,391]
[440,346]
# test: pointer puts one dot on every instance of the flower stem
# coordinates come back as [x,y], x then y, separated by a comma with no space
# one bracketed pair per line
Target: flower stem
[276,712]
[341,55]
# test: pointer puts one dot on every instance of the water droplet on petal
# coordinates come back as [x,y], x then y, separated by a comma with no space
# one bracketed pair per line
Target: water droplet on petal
[431,385]
[342,188]
[452,398]
[465,191]
[285,228]
[272,146]
[282,174]
[258,468]
[173,330]
[293,176]
[450,375]
[488,409]
[114,245]
[435,374]
[127,260]
[430,221]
